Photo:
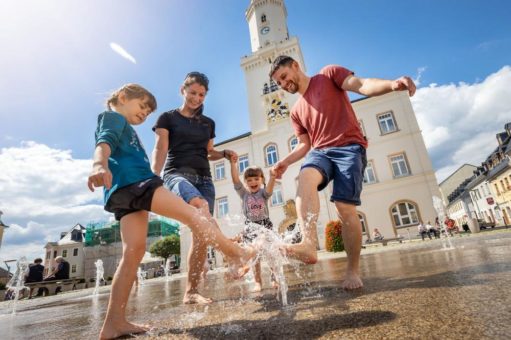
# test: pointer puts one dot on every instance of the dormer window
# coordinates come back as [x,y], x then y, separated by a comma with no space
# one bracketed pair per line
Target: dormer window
[263,18]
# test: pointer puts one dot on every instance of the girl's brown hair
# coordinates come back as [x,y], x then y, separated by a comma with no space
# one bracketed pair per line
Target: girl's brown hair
[131,91]
[254,171]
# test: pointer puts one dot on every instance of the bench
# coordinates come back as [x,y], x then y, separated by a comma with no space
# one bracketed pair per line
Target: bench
[387,240]
[55,286]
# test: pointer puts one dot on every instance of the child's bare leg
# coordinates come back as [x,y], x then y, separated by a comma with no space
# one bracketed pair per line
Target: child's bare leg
[258,286]
[307,208]
[167,204]
[352,237]
[133,234]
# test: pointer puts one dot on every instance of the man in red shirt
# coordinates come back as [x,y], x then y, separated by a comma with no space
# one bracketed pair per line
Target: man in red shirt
[324,120]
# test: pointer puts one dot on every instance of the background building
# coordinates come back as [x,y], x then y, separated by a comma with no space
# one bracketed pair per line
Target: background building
[70,247]
[399,179]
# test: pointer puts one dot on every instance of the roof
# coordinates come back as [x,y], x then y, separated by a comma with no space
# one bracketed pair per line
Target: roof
[454,172]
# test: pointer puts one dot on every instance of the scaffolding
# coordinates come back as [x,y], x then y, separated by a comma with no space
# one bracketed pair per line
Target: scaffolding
[103,233]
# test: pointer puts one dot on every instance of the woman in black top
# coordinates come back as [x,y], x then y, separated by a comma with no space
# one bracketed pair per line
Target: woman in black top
[184,144]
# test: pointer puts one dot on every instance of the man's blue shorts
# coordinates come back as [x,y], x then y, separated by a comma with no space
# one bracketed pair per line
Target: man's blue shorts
[189,186]
[344,165]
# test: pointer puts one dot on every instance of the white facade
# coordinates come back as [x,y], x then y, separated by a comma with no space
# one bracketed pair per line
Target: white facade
[70,247]
[400,177]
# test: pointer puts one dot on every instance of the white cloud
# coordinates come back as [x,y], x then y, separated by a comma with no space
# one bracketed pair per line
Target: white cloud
[44,192]
[420,71]
[122,52]
[459,121]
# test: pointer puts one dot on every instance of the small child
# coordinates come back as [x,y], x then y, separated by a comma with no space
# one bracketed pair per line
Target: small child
[254,196]
[131,189]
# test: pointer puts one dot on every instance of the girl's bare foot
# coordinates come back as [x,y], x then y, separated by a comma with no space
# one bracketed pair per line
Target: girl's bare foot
[114,330]
[196,298]
[352,281]
[239,267]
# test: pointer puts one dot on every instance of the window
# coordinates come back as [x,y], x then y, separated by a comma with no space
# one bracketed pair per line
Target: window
[75,252]
[219,171]
[263,18]
[64,253]
[54,254]
[271,154]
[73,268]
[362,219]
[293,142]
[48,255]
[497,189]
[276,197]
[387,123]
[222,207]
[404,214]
[369,175]
[243,163]
[399,166]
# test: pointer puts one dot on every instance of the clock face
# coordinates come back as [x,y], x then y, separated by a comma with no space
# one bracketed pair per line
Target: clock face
[265,30]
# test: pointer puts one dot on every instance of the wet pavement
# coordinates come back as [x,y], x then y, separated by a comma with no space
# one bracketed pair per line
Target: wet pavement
[416,290]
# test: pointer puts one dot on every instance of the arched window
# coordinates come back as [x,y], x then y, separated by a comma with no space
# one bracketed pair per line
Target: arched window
[293,142]
[405,214]
[263,18]
[272,156]
[363,222]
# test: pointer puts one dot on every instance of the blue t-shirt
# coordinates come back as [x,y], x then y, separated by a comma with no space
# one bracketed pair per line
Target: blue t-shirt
[128,161]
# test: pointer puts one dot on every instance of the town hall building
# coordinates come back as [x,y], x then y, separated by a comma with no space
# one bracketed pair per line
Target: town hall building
[399,181]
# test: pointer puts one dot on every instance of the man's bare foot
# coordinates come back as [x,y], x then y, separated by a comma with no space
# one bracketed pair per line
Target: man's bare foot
[257,287]
[352,281]
[115,330]
[196,298]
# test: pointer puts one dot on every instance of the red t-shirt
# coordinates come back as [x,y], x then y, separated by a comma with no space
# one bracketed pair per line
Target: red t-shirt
[325,113]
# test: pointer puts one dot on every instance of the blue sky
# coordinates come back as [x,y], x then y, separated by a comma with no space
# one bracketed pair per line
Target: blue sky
[57,68]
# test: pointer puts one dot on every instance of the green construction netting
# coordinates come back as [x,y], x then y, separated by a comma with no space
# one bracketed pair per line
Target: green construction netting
[109,232]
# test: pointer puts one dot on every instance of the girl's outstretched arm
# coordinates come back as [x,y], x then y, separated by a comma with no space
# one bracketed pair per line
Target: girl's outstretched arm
[271,182]
[235,174]
[100,174]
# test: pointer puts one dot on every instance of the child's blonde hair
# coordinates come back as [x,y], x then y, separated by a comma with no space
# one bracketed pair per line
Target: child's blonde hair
[254,171]
[132,91]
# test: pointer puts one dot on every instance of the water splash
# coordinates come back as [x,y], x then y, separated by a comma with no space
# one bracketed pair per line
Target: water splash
[17,283]
[166,269]
[438,204]
[100,272]
[270,245]
[141,276]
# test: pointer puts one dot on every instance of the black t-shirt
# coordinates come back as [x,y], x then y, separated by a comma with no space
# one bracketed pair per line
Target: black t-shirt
[188,142]
[35,273]
[63,272]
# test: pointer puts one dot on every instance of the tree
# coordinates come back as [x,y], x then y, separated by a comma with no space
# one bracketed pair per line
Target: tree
[166,247]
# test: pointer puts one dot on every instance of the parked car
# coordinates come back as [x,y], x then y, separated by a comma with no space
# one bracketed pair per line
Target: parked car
[485,225]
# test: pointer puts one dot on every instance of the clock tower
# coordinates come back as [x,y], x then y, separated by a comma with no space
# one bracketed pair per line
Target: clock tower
[269,38]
